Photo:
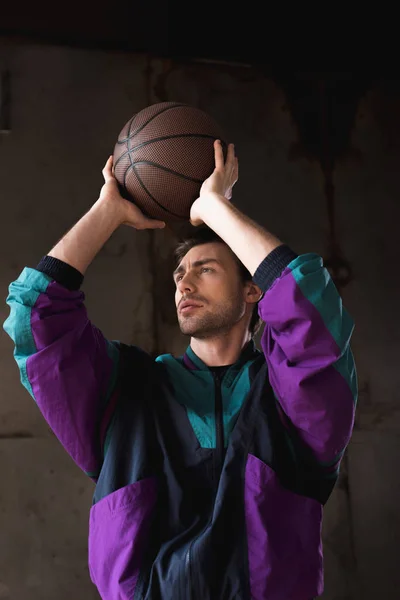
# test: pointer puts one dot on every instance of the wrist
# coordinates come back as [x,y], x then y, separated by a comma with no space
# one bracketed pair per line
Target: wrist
[206,203]
[109,210]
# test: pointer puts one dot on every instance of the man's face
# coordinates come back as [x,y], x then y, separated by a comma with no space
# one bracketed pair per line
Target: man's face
[210,296]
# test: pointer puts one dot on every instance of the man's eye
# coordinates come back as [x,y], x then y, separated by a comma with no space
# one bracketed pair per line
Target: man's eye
[206,269]
[178,278]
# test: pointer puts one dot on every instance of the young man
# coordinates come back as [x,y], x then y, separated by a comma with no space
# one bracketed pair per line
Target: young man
[211,469]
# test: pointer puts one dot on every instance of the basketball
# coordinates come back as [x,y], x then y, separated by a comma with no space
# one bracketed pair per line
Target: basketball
[163,155]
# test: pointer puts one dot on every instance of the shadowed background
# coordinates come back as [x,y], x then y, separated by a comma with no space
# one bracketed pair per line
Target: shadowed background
[319,156]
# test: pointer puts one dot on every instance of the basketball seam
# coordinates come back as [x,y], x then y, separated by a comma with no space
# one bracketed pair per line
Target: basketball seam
[129,154]
[151,195]
[129,128]
[158,166]
[167,137]
[148,121]
[175,136]
[132,165]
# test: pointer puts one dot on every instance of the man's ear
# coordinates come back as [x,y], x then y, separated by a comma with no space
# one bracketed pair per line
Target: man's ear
[252,293]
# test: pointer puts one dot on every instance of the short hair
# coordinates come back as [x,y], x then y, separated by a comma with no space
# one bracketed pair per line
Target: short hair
[205,235]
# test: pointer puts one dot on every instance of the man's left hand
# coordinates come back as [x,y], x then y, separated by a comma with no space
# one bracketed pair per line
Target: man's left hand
[219,185]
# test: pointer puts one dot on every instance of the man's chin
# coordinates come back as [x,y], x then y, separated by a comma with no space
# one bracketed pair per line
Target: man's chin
[188,327]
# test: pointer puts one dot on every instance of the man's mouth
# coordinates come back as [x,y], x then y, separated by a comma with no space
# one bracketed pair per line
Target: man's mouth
[188,306]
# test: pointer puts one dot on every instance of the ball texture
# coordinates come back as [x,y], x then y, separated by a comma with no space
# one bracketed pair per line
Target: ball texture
[163,155]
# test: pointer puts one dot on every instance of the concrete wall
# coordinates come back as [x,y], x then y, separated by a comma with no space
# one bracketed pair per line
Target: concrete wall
[68,107]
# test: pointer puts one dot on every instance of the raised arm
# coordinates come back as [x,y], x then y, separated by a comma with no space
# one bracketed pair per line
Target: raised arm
[65,362]
[306,340]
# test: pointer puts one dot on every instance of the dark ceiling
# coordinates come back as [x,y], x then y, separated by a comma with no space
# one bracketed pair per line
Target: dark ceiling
[323,76]
[187,29]
[99,24]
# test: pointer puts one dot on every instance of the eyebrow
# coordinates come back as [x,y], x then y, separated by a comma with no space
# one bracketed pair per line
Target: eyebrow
[197,263]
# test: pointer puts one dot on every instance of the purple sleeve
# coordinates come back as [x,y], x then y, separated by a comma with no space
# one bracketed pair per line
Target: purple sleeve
[65,363]
[306,342]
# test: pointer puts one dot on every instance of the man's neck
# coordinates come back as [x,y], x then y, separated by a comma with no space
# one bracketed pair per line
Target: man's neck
[220,350]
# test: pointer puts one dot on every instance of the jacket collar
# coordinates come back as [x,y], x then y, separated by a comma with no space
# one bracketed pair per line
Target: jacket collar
[194,363]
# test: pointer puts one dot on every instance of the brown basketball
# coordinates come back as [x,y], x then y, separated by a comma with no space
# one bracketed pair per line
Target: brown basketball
[163,155]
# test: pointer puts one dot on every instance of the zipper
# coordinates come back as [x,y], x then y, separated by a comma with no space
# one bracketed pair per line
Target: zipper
[219,434]
[219,422]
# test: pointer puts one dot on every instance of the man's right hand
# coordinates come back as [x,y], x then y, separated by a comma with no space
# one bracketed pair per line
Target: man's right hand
[81,244]
[129,213]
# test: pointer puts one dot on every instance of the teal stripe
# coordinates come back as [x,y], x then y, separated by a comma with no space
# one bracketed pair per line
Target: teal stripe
[233,398]
[317,286]
[195,391]
[195,359]
[347,368]
[23,295]
[203,427]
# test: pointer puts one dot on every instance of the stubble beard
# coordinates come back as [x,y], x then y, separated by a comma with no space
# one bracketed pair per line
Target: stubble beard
[212,323]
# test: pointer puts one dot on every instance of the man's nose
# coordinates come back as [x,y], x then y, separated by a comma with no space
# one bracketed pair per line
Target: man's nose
[186,284]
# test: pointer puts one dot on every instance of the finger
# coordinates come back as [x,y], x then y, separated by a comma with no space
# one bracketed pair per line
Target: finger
[236,170]
[196,222]
[107,171]
[230,159]
[218,155]
[152,224]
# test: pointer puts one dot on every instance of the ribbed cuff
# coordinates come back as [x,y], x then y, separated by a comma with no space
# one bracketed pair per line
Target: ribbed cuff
[63,273]
[273,266]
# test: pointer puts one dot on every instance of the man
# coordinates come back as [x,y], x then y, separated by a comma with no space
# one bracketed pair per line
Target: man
[211,469]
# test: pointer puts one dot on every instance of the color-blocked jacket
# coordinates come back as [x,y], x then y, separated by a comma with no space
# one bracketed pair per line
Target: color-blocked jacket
[209,485]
